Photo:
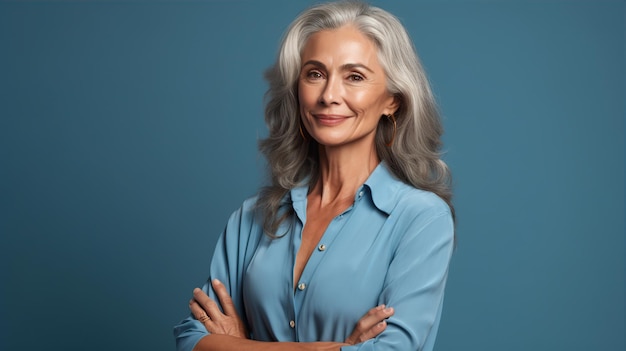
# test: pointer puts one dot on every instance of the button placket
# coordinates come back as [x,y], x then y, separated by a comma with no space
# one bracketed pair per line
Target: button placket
[300,293]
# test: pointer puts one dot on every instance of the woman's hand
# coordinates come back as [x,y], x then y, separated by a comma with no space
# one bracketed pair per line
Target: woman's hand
[370,325]
[208,313]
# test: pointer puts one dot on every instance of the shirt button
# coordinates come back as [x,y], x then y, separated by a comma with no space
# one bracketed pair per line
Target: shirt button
[301,286]
[322,247]
[360,193]
[292,324]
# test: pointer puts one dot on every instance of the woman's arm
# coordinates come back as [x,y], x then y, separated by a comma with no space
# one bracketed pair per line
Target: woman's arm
[232,252]
[228,332]
[220,342]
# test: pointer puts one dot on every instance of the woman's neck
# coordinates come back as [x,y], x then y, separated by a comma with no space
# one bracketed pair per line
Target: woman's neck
[342,171]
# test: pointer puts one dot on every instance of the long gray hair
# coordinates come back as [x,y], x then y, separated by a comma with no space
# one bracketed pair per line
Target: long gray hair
[414,155]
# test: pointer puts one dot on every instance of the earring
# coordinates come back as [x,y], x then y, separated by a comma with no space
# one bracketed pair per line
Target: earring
[392,119]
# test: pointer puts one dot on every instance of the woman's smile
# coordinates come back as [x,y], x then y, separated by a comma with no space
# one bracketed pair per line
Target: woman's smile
[330,119]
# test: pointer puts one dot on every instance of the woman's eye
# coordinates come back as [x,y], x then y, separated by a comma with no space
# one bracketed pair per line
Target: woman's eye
[314,75]
[355,77]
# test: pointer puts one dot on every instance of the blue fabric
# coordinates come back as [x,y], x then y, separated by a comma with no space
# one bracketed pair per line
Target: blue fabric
[392,246]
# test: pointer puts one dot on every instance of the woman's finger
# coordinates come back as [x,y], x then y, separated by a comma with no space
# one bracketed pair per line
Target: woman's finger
[225,300]
[373,317]
[207,304]
[208,313]
[370,325]
[372,332]
[198,312]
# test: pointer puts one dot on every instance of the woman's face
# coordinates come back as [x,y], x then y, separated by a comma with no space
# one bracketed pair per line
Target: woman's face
[342,88]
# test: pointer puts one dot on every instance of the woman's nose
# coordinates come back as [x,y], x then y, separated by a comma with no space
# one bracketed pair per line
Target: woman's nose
[331,94]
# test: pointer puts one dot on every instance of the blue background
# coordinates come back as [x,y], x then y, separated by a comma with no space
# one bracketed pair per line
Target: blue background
[128,134]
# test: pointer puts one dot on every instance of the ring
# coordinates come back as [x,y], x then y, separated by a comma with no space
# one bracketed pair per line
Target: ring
[204,318]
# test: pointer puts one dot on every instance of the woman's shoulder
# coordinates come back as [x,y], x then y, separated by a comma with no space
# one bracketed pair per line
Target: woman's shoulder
[421,213]
[244,224]
[249,204]
[247,211]
[420,200]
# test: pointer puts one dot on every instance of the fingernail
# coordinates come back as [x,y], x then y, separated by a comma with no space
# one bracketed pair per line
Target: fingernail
[216,281]
[380,307]
[196,290]
[389,309]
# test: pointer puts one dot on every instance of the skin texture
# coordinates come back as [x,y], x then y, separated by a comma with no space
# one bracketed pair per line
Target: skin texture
[342,95]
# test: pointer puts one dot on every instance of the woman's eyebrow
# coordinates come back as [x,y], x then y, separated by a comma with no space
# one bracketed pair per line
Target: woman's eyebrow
[344,67]
[314,63]
[351,66]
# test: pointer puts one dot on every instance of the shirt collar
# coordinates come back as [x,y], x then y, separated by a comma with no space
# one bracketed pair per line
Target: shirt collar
[382,185]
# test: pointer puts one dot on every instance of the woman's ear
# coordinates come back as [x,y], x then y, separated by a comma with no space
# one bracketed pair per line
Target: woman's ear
[393,105]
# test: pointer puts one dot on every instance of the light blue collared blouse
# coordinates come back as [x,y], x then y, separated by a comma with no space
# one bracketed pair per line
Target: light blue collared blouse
[392,247]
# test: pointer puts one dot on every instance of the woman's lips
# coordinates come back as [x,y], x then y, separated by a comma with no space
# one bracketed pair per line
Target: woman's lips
[329,120]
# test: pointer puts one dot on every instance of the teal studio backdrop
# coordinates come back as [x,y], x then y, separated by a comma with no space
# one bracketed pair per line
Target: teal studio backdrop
[128,134]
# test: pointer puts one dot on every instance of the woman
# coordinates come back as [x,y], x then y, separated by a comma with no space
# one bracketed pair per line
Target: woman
[349,247]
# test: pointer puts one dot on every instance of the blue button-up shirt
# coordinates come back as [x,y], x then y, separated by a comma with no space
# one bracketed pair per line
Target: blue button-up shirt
[392,247]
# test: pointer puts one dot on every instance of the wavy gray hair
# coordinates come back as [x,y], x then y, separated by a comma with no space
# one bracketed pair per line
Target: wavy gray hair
[414,155]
